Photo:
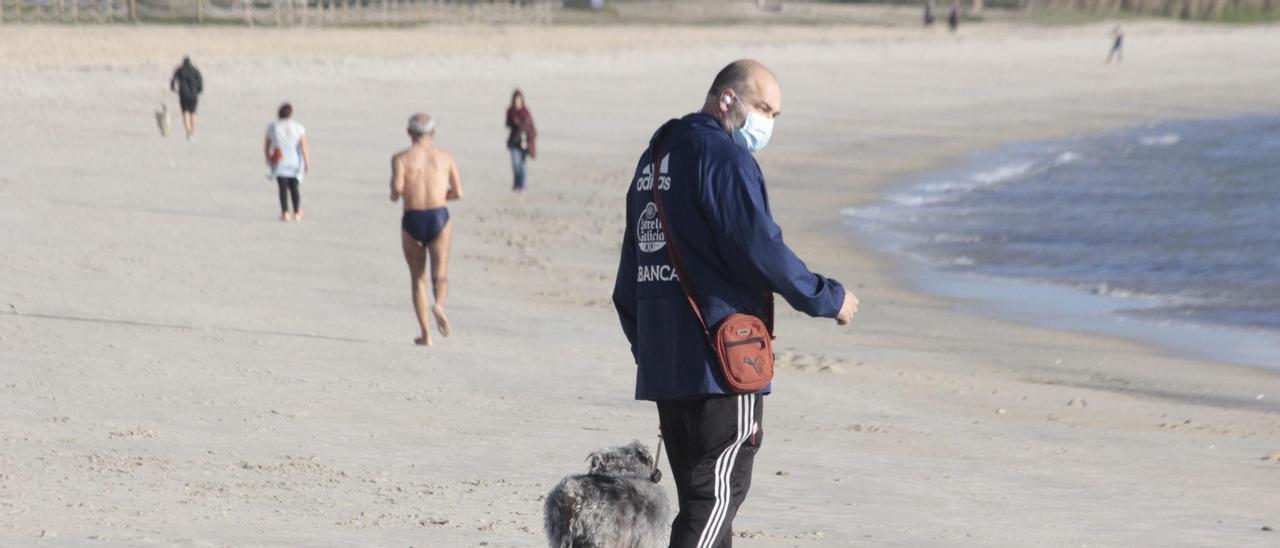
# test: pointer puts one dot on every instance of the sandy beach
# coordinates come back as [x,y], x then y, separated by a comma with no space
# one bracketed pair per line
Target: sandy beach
[177,367]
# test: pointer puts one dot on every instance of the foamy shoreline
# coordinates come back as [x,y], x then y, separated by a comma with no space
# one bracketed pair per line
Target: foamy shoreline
[180,369]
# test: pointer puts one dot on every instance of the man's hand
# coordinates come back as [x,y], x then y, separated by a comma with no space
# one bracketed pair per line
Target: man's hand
[847,310]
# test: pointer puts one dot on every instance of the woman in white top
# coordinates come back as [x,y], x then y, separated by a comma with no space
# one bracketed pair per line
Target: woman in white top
[289,158]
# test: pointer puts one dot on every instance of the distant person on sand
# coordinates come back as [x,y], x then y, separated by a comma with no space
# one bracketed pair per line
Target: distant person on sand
[1117,46]
[189,84]
[732,259]
[521,140]
[289,158]
[953,17]
[427,177]
[928,13]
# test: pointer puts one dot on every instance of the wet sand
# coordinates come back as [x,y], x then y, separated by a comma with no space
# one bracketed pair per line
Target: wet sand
[177,367]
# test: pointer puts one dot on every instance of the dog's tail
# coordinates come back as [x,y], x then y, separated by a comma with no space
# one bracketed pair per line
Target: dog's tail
[558,518]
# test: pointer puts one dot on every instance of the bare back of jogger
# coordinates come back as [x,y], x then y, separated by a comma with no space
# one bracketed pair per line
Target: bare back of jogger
[427,178]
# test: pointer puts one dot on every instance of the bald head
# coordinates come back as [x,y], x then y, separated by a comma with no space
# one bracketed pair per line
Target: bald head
[741,76]
[742,86]
[420,125]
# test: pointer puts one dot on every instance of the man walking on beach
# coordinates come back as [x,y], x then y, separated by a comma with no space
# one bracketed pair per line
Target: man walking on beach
[189,84]
[734,259]
[426,176]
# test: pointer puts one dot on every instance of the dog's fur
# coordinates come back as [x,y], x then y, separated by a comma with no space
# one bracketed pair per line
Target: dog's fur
[616,504]
[162,119]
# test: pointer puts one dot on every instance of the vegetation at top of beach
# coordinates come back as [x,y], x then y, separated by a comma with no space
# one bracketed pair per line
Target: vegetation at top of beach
[396,13]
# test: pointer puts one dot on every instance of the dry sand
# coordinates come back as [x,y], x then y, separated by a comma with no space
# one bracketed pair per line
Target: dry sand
[179,368]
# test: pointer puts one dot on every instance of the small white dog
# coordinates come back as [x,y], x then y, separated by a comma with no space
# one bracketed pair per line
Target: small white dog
[162,119]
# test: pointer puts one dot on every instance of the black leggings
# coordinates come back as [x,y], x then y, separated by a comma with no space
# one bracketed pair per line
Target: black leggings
[288,185]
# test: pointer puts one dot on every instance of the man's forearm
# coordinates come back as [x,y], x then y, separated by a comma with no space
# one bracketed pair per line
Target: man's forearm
[806,291]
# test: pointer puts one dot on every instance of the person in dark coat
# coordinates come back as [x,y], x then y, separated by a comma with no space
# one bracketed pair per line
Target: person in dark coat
[522,139]
[1117,46]
[188,82]
[733,258]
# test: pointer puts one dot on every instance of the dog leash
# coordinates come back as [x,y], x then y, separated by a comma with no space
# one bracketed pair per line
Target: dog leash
[654,474]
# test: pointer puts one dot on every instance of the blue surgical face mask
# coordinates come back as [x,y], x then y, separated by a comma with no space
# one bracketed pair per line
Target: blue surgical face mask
[755,131]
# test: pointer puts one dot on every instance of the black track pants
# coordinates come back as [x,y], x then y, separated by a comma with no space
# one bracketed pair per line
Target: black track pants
[711,444]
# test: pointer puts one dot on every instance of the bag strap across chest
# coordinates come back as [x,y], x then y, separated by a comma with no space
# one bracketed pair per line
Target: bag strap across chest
[681,272]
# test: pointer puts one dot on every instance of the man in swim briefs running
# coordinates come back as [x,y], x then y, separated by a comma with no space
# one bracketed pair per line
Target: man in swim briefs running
[426,176]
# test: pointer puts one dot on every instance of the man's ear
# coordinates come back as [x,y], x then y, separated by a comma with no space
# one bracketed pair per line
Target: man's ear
[726,100]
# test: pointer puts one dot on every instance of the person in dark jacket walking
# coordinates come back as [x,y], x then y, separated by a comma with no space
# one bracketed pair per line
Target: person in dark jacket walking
[189,84]
[1117,46]
[522,139]
[734,259]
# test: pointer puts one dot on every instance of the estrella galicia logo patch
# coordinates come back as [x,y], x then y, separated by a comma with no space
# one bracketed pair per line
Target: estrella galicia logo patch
[649,234]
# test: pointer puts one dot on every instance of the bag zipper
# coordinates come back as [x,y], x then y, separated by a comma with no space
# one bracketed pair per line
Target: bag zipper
[756,340]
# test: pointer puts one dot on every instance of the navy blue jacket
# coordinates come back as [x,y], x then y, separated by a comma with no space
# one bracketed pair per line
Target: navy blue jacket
[715,200]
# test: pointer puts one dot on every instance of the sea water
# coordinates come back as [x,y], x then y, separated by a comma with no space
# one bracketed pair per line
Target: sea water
[1168,231]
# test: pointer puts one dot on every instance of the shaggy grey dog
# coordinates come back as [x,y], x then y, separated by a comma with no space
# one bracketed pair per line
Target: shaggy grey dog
[616,504]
